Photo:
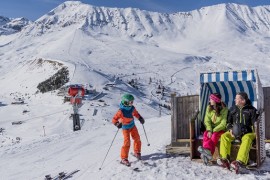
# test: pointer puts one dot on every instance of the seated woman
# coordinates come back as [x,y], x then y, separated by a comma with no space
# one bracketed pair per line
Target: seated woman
[215,122]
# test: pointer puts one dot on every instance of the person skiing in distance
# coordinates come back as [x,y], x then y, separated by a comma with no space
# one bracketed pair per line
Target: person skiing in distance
[215,122]
[240,125]
[124,118]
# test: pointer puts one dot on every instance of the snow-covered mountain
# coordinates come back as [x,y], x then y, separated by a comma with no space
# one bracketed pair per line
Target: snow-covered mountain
[113,51]
[139,24]
[12,25]
[186,40]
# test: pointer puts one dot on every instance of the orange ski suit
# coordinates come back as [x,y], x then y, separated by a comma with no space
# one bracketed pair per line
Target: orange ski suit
[125,116]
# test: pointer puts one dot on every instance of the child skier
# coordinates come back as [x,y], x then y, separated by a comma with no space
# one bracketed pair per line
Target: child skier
[124,119]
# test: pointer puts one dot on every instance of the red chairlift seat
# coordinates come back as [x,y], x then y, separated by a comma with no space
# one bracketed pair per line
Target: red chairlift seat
[76,90]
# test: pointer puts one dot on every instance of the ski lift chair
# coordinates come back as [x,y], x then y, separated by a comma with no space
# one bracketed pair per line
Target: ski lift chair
[228,83]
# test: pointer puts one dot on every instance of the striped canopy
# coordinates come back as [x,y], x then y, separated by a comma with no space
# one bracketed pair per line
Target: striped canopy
[228,83]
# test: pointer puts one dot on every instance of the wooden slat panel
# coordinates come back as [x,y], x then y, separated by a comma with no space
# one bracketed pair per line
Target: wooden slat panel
[173,118]
[180,115]
[187,106]
[266,93]
[258,144]
[183,109]
[178,150]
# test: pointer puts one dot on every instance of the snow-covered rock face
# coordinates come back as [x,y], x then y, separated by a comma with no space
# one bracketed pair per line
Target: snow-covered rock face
[18,23]
[10,26]
[4,20]
[246,19]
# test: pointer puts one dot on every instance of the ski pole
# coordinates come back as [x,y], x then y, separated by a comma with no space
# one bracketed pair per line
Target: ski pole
[109,149]
[148,144]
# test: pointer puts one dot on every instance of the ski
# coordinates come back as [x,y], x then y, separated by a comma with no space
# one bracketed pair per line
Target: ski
[136,169]
[126,164]
[141,160]
[131,164]
[48,177]
[69,175]
[61,175]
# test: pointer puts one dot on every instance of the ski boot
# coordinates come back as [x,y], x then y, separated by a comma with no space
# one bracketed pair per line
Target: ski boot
[223,163]
[125,162]
[138,156]
[235,166]
[205,159]
[205,152]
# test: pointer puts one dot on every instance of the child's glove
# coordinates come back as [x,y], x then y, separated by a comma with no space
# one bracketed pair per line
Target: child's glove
[118,125]
[141,120]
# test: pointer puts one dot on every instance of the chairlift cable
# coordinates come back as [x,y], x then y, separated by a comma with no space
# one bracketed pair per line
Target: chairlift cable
[43,115]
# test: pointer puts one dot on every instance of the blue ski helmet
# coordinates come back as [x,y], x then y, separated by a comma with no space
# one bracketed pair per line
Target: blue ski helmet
[127,99]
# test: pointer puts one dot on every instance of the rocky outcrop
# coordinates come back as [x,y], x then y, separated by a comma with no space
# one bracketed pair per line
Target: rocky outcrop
[54,82]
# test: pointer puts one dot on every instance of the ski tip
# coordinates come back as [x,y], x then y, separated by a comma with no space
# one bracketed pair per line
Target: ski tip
[136,169]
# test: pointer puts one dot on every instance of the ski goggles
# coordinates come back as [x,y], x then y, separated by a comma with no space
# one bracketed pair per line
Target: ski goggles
[128,103]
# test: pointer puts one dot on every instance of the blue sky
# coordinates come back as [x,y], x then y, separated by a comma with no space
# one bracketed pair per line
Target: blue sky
[33,9]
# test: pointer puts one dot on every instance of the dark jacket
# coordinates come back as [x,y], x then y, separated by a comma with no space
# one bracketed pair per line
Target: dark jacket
[245,117]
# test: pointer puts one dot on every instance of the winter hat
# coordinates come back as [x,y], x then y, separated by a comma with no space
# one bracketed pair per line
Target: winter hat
[216,97]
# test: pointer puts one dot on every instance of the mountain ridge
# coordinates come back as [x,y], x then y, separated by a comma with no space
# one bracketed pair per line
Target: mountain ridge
[141,24]
[12,25]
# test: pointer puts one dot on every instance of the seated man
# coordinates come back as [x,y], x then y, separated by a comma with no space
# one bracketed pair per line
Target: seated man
[241,118]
